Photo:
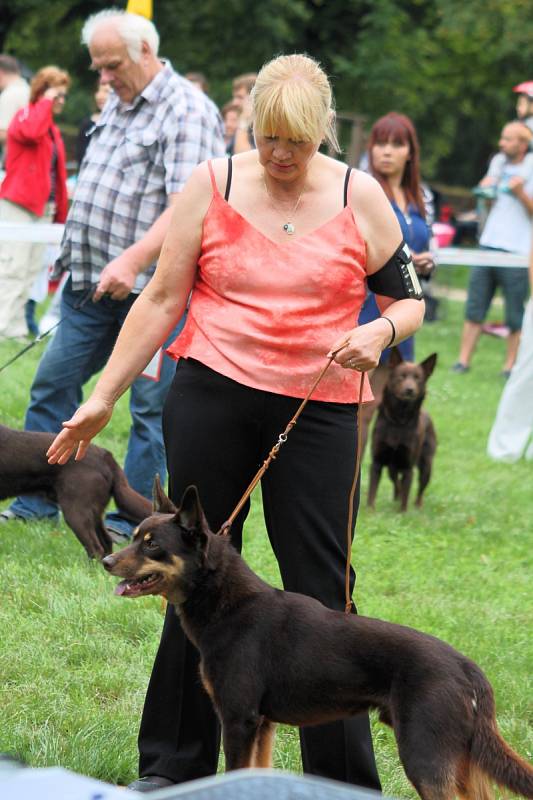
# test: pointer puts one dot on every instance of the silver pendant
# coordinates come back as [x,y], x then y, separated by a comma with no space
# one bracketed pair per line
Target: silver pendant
[288,228]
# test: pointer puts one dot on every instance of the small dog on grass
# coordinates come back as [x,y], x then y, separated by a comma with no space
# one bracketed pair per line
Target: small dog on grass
[259,645]
[82,489]
[403,437]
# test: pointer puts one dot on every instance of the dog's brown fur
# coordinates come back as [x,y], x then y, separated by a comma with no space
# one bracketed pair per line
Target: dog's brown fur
[82,489]
[403,437]
[259,662]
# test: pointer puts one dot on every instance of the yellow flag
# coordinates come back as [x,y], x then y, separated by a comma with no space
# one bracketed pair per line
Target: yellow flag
[141,7]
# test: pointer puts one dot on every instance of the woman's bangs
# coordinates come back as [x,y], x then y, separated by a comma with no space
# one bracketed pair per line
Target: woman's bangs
[391,130]
[284,114]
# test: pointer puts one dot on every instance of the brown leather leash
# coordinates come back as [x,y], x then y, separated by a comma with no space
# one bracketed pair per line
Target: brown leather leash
[282,438]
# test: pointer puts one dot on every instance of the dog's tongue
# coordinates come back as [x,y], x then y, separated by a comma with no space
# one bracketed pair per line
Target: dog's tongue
[121,588]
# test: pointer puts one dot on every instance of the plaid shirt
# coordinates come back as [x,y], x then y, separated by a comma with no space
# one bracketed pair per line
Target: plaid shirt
[138,154]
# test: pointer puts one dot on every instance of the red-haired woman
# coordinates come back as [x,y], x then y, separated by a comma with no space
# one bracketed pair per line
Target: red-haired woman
[34,190]
[394,160]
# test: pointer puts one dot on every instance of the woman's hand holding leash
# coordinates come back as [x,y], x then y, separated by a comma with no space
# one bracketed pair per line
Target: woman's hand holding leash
[78,431]
[361,347]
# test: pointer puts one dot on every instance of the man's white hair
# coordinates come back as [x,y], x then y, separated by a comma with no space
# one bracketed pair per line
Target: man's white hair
[132,29]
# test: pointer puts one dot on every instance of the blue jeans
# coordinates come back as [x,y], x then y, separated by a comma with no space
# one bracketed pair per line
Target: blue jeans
[81,346]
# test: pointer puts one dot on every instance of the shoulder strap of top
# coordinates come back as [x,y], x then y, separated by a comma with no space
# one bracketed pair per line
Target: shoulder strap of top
[347,185]
[212,176]
[228,180]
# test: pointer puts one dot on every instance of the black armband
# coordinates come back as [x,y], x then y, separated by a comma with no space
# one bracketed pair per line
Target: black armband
[397,278]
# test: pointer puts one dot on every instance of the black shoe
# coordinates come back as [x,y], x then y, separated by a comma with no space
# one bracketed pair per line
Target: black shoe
[150,783]
[9,516]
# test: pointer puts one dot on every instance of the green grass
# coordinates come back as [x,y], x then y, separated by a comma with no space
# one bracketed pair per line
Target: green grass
[75,660]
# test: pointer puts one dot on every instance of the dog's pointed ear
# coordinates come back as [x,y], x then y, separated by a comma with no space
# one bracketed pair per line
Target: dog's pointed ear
[190,514]
[395,357]
[428,364]
[160,502]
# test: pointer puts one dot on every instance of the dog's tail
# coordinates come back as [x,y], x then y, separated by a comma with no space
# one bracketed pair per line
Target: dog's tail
[132,504]
[489,750]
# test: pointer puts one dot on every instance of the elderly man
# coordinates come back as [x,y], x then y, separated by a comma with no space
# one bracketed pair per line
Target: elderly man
[152,133]
[508,228]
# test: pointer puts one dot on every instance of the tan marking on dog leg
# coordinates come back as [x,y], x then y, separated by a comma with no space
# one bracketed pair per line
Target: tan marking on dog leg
[476,785]
[265,744]
[206,683]
[249,759]
[434,786]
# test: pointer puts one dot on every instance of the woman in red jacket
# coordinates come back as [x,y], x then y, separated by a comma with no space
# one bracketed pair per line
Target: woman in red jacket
[34,190]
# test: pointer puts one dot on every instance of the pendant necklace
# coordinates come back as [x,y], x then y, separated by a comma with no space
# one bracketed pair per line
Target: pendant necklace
[288,227]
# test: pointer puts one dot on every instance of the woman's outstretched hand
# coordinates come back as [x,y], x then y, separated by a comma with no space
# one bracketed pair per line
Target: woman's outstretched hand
[78,431]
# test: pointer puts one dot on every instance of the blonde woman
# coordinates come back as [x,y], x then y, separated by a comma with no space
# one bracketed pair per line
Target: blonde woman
[34,190]
[276,246]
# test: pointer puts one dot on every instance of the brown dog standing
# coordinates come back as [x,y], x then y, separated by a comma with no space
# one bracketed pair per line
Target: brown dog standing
[403,437]
[82,489]
[269,656]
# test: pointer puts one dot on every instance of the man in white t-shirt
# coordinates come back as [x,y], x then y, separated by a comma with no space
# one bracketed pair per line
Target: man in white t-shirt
[14,94]
[508,228]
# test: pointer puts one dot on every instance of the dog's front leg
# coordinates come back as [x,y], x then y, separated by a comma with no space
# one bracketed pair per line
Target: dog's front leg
[424,474]
[265,744]
[375,475]
[240,739]
[405,488]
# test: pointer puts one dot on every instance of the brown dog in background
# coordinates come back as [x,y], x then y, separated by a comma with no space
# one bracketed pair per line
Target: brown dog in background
[403,437]
[82,489]
[269,656]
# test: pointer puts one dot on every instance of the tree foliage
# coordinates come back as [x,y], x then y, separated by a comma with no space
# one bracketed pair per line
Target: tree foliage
[448,64]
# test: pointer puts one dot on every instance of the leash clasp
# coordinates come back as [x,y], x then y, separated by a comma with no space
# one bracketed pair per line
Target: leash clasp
[282,438]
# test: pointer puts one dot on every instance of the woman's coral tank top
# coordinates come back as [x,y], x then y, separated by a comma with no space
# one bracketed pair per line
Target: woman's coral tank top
[265,314]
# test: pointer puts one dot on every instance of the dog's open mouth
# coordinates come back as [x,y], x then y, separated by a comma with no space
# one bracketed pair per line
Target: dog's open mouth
[136,588]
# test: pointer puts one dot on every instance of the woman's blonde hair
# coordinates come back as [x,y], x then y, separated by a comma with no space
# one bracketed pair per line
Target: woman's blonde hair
[45,78]
[293,93]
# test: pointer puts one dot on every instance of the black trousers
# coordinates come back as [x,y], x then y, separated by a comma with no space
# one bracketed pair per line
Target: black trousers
[217,433]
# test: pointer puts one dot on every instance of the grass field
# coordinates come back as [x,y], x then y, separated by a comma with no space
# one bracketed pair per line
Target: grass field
[75,660]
